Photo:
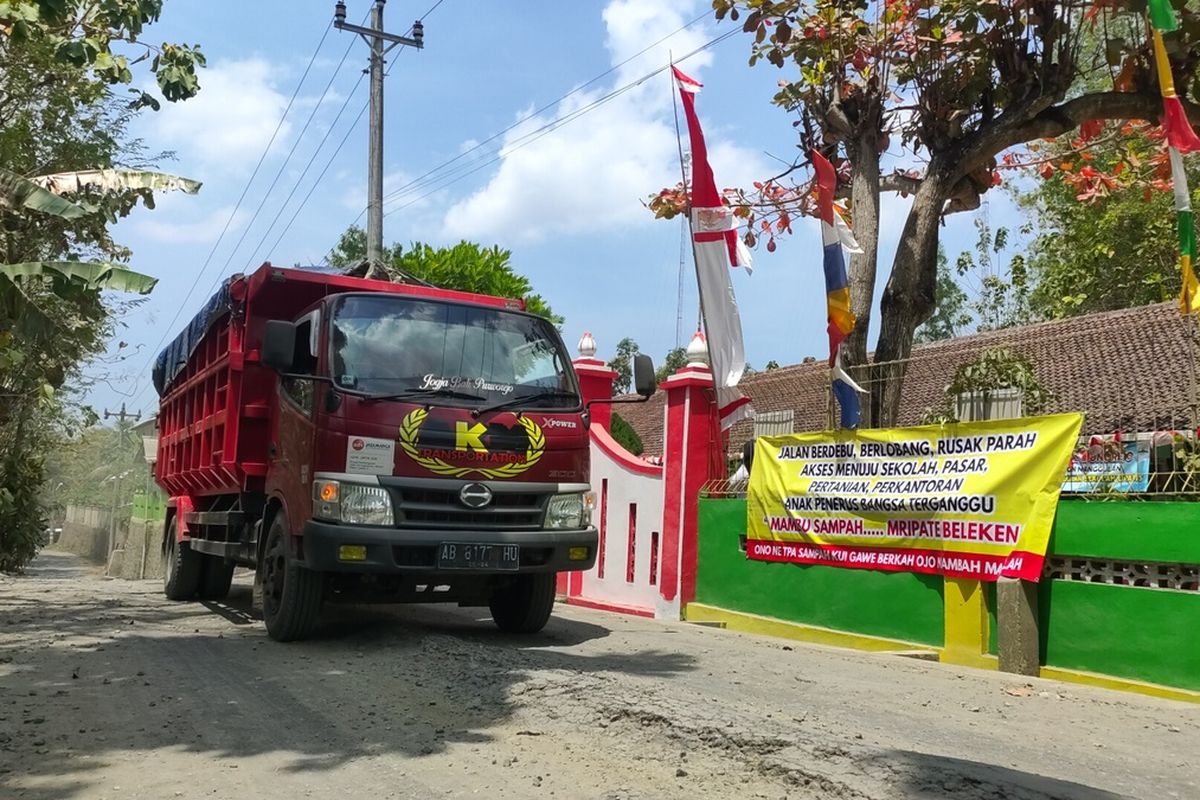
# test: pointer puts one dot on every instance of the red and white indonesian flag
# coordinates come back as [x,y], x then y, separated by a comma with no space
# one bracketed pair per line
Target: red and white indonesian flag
[717,247]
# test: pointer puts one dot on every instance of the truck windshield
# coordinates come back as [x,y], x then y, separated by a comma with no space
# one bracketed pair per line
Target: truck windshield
[394,345]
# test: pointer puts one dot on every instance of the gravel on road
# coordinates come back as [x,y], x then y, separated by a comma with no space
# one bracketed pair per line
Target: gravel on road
[107,690]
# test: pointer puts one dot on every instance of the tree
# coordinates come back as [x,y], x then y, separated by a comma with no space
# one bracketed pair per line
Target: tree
[950,315]
[974,79]
[675,360]
[1105,233]
[772,364]
[467,267]
[622,364]
[60,119]
[625,435]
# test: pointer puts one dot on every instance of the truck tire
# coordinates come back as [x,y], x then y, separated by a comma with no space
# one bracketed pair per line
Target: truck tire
[291,594]
[181,568]
[524,606]
[216,578]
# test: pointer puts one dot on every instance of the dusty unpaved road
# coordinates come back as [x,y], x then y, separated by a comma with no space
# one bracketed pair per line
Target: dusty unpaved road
[109,691]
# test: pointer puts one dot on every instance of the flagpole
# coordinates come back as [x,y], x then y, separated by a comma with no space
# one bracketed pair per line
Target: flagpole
[686,191]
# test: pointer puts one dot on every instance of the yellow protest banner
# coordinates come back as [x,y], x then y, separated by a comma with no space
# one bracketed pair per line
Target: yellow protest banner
[967,500]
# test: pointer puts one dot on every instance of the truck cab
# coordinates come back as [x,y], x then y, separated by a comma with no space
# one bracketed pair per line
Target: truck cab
[417,447]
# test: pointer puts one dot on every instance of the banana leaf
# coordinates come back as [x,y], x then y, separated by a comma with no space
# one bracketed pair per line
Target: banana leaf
[115,180]
[96,274]
[18,192]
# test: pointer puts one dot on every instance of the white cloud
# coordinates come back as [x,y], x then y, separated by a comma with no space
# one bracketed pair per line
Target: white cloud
[229,123]
[592,174]
[201,231]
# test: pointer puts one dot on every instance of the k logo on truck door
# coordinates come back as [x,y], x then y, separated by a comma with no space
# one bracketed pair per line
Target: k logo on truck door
[493,451]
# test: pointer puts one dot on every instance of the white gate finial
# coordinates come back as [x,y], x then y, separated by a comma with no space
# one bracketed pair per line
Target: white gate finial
[587,345]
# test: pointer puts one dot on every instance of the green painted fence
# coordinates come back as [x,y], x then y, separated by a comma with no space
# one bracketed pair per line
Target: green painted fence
[896,605]
[1146,634]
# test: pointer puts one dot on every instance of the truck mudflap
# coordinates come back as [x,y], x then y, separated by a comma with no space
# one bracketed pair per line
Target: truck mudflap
[327,547]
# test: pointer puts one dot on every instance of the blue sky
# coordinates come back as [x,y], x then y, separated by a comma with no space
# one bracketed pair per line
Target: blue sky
[567,204]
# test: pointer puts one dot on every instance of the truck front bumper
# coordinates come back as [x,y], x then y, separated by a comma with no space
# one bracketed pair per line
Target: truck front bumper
[408,550]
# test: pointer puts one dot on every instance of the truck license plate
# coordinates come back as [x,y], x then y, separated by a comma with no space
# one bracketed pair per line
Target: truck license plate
[459,555]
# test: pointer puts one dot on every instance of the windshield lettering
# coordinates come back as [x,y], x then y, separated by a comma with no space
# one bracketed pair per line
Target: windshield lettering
[432,381]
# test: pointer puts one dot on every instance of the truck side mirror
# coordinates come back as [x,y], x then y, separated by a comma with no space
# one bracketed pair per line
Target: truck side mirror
[644,382]
[279,345]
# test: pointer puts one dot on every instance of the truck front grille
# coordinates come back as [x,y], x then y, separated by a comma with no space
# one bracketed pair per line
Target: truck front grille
[441,508]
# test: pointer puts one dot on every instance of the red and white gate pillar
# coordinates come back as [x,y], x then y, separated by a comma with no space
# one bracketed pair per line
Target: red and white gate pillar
[595,383]
[692,441]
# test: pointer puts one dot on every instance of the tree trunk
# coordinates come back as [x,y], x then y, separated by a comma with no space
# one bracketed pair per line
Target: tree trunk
[864,196]
[910,295]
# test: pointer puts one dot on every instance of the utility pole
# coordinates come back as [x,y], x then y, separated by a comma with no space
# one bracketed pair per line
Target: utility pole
[121,416]
[375,37]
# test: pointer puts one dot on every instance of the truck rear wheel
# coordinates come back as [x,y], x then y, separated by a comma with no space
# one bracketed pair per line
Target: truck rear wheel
[216,578]
[182,566]
[291,594]
[525,605]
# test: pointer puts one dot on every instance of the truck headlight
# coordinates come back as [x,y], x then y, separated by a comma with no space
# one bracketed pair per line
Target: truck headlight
[352,503]
[567,511]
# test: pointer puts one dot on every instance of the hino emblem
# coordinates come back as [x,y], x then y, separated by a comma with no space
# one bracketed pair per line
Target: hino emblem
[475,495]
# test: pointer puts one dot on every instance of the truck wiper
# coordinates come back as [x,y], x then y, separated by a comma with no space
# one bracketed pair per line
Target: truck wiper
[548,394]
[418,394]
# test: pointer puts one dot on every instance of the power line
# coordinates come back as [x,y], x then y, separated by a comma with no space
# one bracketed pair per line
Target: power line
[545,107]
[232,214]
[282,167]
[317,182]
[551,126]
[328,163]
[303,175]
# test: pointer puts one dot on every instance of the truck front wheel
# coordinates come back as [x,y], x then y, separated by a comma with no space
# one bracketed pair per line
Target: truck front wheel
[291,594]
[524,606]
[182,566]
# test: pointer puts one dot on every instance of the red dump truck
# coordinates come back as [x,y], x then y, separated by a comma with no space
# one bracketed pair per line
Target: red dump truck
[359,440]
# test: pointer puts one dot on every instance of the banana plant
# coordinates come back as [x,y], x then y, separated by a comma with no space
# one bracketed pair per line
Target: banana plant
[44,194]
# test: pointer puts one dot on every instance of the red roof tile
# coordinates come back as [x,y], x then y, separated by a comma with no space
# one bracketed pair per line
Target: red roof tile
[1128,370]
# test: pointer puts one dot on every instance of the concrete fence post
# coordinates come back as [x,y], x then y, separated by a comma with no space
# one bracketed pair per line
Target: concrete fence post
[1017,639]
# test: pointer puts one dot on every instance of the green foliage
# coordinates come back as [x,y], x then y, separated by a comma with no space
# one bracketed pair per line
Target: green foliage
[466,267]
[22,518]
[1103,253]
[622,364]
[994,369]
[625,435]
[674,361]
[950,316]
[84,468]
[772,364]
[86,37]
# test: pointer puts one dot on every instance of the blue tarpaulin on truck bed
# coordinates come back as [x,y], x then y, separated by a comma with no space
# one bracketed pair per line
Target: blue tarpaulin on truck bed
[174,357]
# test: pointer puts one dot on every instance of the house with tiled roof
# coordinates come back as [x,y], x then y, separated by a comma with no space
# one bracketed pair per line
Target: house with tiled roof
[1132,370]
